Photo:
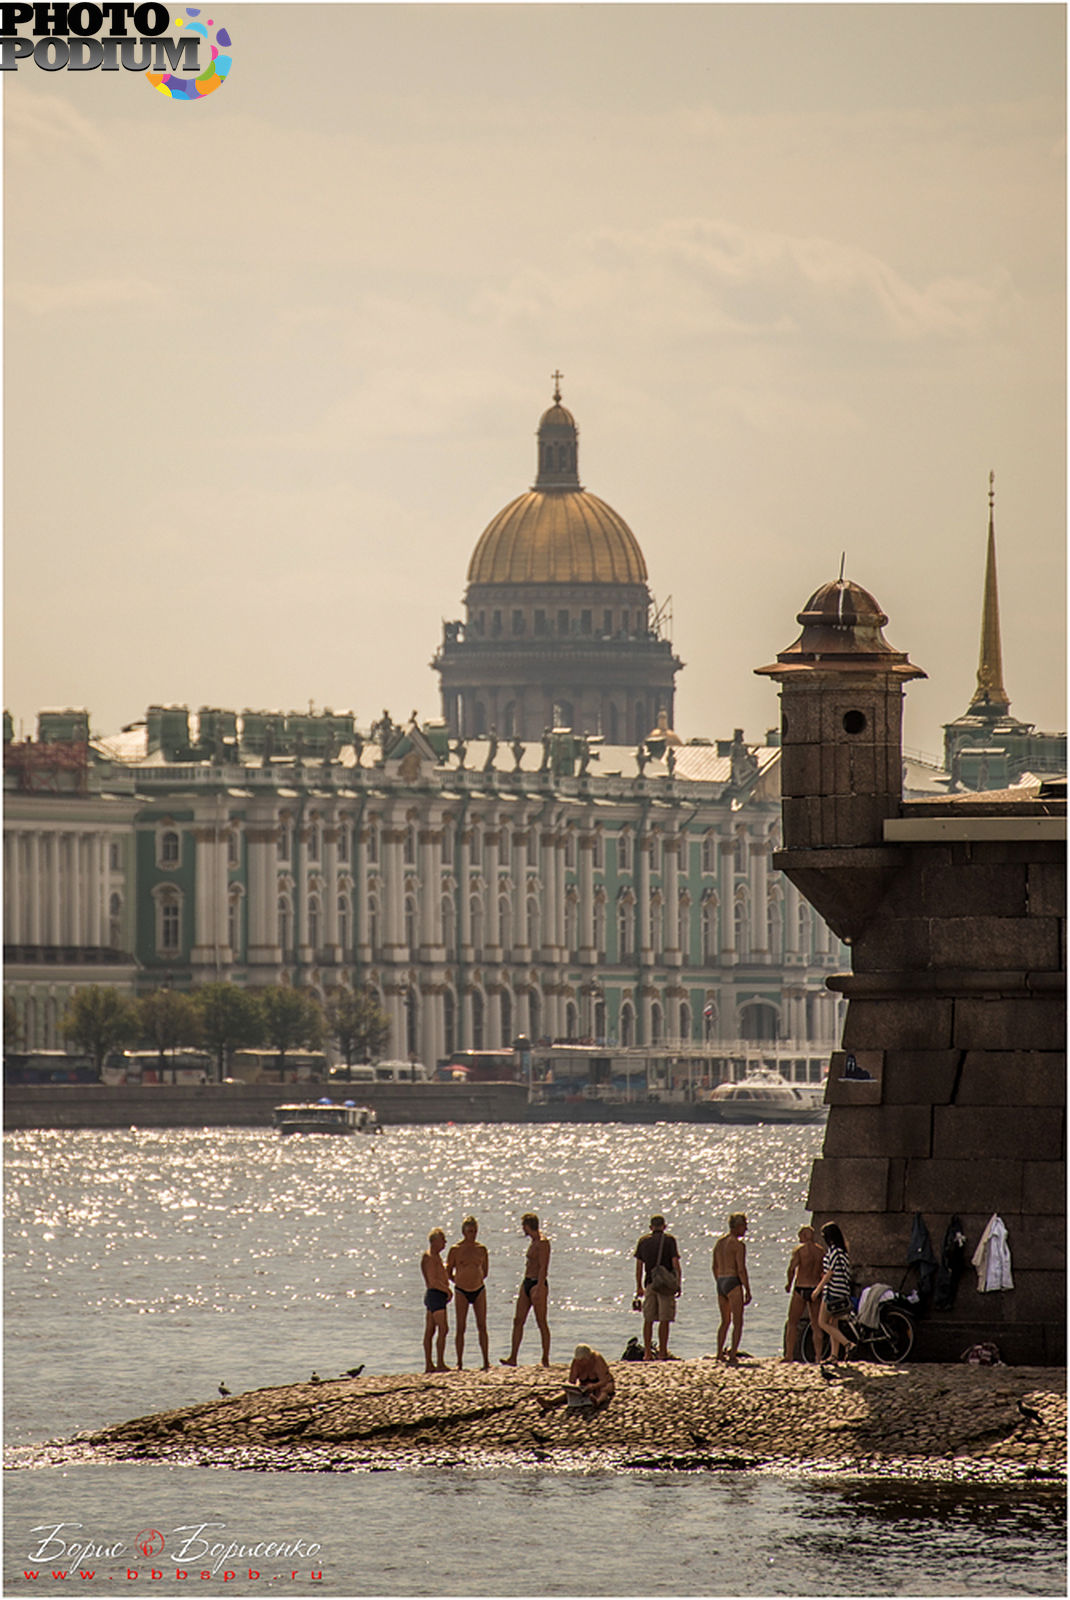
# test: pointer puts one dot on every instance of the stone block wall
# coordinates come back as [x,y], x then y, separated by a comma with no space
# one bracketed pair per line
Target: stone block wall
[957,1011]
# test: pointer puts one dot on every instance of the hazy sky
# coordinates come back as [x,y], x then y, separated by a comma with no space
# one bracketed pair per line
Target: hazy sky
[274,360]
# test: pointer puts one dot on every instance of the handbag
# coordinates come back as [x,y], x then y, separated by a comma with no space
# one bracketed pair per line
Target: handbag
[662,1279]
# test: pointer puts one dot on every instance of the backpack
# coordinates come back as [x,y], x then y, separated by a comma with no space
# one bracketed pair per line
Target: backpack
[633,1350]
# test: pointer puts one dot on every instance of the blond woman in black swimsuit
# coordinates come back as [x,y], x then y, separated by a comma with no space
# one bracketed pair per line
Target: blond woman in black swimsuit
[467,1266]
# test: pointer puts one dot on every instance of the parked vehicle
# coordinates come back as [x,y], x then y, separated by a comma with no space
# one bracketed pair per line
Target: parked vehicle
[48,1066]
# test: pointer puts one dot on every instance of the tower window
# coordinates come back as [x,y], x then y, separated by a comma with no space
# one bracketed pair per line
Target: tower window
[607,622]
[518,622]
[562,622]
[854,721]
[586,622]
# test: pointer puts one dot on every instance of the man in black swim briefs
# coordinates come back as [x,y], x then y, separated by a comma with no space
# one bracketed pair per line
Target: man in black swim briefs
[733,1285]
[804,1270]
[534,1291]
[467,1266]
[436,1298]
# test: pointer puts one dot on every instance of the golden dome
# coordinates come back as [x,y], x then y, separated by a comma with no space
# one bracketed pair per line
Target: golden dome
[557,536]
[557,532]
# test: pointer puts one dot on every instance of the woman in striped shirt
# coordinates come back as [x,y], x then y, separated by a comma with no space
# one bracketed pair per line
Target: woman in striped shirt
[834,1288]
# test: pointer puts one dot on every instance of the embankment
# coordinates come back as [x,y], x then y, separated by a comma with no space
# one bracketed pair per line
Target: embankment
[1004,1423]
[222,1105]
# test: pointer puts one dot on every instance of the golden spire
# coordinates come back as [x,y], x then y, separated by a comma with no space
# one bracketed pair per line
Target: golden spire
[990,695]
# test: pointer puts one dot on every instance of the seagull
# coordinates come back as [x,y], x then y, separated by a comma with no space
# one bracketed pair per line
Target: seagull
[354,1372]
[224,1391]
[828,1373]
[699,1440]
[540,1438]
[1028,1413]
[315,1378]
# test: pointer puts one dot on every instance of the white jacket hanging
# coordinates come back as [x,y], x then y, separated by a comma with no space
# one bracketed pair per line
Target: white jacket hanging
[992,1258]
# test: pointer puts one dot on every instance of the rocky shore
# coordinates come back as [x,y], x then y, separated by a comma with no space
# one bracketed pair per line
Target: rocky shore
[1002,1423]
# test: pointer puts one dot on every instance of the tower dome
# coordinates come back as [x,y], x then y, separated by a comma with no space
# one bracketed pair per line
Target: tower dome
[557,532]
[558,628]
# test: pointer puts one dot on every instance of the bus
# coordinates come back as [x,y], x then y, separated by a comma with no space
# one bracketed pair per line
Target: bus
[49,1066]
[262,1066]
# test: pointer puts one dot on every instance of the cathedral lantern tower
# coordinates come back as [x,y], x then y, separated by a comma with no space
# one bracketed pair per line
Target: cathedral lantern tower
[559,627]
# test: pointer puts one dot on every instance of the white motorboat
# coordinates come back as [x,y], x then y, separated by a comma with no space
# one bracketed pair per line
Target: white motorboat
[766,1097]
[326,1116]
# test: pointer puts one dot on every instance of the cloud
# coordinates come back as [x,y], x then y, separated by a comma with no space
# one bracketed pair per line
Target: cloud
[718,279]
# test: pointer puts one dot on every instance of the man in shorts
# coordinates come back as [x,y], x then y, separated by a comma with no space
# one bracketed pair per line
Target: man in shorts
[657,1249]
[805,1269]
[733,1285]
[534,1290]
[437,1297]
[467,1266]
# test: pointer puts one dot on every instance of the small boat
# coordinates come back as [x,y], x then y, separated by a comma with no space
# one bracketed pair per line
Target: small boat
[766,1097]
[326,1116]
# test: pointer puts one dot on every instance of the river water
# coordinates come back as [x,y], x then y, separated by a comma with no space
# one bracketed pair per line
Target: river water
[145,1267]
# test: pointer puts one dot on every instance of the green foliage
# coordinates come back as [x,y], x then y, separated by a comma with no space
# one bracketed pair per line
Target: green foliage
[293,1020]
[99,1019]
[169,1021]
[230,1019]
[358,1024]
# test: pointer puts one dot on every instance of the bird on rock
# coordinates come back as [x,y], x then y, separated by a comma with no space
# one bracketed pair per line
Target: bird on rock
[354,1372]
[1028,1413]
[224,1391]
[315,1378]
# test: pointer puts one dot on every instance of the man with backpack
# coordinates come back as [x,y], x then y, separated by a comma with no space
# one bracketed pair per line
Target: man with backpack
[658,1280]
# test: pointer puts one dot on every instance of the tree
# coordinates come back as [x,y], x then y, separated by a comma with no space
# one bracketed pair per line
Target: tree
[99,1019]
[231,1019]
[357,1023]
[169,1021]
[293,1019]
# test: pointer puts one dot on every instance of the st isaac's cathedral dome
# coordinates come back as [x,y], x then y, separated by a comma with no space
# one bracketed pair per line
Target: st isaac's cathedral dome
[558,628]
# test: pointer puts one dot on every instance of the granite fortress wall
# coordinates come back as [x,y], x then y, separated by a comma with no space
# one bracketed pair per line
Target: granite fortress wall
[955,913]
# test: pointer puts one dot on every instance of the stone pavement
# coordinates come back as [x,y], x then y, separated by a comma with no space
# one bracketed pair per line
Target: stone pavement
[762,1415]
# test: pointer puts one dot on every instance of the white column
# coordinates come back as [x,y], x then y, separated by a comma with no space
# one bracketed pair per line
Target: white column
[34,887]
[671,897]
[726,894]
[394,880]
[428,897]
[587,950]
[464,932]
[758,854]
[548,908]
[491,845]
[559,898]
[100,890]
[15,924]
[330,889]
[361,941]
[643,853]
[520,893]
[74,857]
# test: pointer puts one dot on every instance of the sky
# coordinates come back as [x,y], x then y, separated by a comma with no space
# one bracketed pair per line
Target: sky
[275,359]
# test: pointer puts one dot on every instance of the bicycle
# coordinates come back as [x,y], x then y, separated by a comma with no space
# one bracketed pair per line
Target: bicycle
[889,1343]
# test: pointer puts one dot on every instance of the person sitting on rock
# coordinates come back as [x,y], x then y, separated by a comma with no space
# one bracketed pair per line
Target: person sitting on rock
[589,1386]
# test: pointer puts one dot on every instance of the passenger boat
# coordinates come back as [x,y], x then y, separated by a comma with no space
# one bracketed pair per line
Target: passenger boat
[326,1116]
[766,1097]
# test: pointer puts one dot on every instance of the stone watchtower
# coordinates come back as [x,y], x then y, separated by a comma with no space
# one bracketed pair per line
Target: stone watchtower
[954,910]
[558,627]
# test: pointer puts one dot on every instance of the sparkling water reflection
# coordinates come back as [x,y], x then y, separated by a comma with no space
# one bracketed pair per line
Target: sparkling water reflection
[143,1267]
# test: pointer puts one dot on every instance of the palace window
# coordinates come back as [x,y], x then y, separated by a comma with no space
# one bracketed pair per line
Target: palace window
[285,925]
[343,842]
[314,922]
[343,922]
[624,851]
[115,859]
[234,923]
[170,923]
[314,842]
[169,848]
[624,929]
[709,852]
[282,842]
[233,851]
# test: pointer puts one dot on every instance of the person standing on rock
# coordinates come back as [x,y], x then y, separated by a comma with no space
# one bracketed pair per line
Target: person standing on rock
[805,1269]
[437,1297]
[534,1290]
[733,1285]
[658,1281]
[467,1266]
[834,1287]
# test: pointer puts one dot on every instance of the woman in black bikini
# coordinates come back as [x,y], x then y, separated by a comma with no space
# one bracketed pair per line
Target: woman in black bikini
[467,1265]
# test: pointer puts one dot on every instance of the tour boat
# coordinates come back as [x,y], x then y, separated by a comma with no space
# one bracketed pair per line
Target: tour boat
[766,1097]
[326,1116]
